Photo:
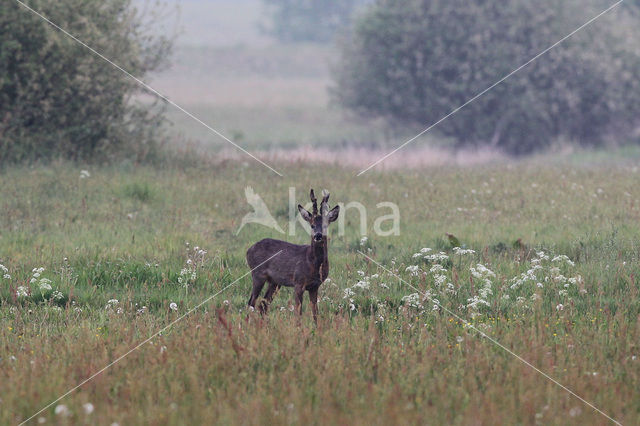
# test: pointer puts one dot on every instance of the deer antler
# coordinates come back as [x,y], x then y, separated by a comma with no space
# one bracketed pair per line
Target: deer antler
[315,203]
[325,197]
[324,205]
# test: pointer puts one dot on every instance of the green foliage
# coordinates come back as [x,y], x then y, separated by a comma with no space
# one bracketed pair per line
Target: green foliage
[139,191]
[309,20]
[417,60]
[57,99]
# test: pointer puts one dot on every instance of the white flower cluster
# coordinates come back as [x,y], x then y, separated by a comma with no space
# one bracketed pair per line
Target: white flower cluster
[22,291]
[463,252]
[364,287]
[437,257]
[545,271]
[5,272]
[113,305]
[412,300]
[483,277]
[422,253]
[43,284]
[195,258]
[542,272]
[187,275]
[413,270]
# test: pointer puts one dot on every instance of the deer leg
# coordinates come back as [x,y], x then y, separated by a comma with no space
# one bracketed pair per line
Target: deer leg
[268,297]
[258,283]
[299,291]
[313,298]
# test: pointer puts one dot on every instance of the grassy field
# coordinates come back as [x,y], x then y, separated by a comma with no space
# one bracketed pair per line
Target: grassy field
[381,352]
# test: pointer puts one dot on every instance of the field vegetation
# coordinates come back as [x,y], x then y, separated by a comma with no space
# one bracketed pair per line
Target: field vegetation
[99,260]
[132,261]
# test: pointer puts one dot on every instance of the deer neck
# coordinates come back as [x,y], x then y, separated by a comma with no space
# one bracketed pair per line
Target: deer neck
[317,254]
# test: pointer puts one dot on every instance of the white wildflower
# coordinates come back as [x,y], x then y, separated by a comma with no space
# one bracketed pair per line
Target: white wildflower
[563,258]
[62,410]
[542,256]
[412,300]
[111,303]
[450,288]
[173,306]
[45,284]
[87,407]
[22,291]
[462,252]
[437,269]
[413,269]
[439,280]
[352,306]
[475,301]
[5,272]
[559,307]
[364,285]
[437,257]
[481,271]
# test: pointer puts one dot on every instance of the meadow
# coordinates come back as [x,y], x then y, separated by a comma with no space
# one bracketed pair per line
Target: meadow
[99,260]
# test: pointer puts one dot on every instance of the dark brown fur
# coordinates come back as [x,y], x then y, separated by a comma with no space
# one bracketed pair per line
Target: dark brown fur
[303,267]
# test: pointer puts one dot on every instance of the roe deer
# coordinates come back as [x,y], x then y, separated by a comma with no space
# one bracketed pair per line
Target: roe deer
[297,266]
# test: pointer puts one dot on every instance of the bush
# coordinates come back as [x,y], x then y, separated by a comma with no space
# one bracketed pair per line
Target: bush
[57,99]
[414,61]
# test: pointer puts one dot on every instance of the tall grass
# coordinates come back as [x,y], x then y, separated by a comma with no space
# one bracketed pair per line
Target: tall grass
[379,354]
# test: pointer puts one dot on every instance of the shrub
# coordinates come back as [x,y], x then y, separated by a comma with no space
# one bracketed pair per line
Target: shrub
[57,99]
[414,61]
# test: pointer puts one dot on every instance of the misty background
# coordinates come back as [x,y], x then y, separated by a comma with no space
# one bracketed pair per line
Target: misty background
[270,90]
[342,81]
[264,93]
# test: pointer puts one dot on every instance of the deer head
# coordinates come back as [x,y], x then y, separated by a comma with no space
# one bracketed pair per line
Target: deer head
[319,221]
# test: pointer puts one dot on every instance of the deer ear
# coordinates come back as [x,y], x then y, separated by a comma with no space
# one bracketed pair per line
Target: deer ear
[333,214]
[304,213]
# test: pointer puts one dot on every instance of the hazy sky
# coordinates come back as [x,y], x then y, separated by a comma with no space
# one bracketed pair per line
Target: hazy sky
[212,22]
